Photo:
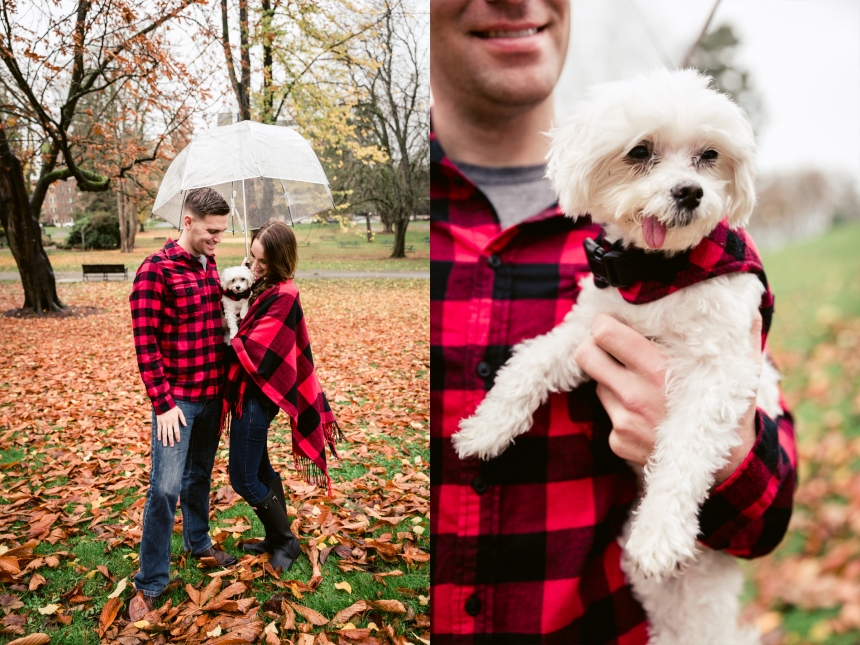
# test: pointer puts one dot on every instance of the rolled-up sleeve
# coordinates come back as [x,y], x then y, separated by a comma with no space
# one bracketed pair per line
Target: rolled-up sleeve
[747,515]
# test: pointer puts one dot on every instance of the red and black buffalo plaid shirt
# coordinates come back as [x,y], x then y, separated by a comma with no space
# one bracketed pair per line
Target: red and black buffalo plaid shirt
[524,545]
[178,336]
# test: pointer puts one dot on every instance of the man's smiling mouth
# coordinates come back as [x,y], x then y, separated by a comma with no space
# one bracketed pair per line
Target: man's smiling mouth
[519,33]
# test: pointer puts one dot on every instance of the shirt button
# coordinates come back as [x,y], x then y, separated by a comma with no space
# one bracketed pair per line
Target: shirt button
[480,485]
[484,369]
[473,606]
[494,261]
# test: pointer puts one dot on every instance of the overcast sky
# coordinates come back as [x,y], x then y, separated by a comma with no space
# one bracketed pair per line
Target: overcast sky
[803,57]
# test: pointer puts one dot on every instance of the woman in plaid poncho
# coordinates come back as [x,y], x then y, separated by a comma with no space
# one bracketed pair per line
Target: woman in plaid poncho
[270,369]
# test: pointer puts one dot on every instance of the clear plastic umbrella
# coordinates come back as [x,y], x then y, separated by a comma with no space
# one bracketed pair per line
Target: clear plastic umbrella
[264,172]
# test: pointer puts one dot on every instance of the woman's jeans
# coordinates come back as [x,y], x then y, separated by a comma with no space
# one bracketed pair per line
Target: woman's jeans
[183,470]
[250,469]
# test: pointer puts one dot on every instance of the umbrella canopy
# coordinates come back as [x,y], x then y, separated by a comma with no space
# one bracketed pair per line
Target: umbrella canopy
[264,172]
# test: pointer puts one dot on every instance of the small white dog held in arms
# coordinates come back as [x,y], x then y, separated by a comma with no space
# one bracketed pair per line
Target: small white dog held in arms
[667,166]
[236,283]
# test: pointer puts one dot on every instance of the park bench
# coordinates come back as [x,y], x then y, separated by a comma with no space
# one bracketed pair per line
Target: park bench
[343,244]
[104,270]
[326,237]
[159,239]
[410,248]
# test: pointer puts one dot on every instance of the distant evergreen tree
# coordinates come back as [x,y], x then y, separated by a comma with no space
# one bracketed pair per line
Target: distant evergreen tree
[714,55]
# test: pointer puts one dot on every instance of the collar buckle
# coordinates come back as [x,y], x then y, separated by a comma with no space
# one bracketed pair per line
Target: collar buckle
[602,264]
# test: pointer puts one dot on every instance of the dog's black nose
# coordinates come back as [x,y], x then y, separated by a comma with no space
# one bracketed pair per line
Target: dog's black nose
[687,197]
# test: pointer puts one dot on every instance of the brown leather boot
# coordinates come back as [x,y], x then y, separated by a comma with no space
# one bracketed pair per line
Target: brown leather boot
[140,605]
[223,558]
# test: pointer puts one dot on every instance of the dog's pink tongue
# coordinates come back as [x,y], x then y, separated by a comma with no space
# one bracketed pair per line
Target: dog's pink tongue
[653,231]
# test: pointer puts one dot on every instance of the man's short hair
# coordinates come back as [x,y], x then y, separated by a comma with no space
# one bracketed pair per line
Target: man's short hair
[204,201]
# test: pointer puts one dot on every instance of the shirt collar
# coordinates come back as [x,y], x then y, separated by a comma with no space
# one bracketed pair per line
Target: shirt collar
[449,178]
[175,252]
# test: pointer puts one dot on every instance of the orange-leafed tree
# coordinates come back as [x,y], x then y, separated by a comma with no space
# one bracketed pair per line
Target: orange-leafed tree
[67,68]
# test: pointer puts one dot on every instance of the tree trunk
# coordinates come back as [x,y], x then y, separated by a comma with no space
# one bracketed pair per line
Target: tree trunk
[387,220]
[245,61]
[127,210]
[123,221]
[25,235]
[369,232]
[401,222]
[268,43]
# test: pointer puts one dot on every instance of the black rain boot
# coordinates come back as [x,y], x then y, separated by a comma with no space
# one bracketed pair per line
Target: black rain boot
[285,546]
[264,545]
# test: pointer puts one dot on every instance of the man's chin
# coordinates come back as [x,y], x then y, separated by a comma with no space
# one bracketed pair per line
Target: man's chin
[521,86]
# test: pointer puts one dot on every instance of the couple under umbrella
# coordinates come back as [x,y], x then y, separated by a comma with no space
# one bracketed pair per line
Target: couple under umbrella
[261,177]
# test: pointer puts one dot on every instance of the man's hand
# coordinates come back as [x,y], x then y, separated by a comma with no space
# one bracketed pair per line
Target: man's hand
[168,426]
[630,371]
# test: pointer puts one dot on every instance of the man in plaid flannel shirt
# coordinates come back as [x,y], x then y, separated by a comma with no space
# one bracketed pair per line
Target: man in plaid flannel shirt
[179,340]
[524,545]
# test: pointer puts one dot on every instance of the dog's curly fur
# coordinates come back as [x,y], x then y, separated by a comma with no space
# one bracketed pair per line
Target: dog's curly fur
[237,280]
[622,158]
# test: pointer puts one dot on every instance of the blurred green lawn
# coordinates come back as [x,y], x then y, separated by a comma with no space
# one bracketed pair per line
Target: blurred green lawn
[817,288]
[322,247]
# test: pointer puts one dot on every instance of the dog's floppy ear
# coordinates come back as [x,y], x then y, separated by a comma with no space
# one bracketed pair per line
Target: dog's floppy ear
[741,191]
[571,164]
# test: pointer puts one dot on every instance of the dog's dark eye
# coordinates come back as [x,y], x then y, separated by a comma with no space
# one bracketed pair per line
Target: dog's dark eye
[709,155]
[639,152]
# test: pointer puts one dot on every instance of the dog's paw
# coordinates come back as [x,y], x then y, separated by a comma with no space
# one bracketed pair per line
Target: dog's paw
[659,550]
[476,440]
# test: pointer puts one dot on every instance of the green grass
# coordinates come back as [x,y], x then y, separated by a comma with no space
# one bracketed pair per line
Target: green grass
[817,288]
[815,283]
[86,552]
[320,249]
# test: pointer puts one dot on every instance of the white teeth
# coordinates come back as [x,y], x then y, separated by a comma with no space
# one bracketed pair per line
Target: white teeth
[522,33]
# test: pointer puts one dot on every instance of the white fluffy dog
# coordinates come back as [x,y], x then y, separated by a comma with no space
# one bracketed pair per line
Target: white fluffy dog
[236,283]
[659,161]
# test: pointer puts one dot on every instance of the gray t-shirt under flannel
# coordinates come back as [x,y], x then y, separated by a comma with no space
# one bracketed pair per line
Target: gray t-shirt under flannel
[516,193]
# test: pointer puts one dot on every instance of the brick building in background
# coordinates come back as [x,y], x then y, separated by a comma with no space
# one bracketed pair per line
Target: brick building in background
[61,200]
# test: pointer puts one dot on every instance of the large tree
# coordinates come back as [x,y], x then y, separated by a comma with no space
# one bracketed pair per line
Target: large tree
[57,65]
[395,117]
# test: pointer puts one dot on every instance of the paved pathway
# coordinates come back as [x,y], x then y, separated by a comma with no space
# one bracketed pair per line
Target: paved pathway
[77,276]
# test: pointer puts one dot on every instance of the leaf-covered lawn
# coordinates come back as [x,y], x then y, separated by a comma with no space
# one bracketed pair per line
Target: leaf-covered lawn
[74,463]
[808,591]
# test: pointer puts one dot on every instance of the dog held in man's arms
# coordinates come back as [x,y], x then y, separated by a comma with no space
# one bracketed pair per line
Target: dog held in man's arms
[666,165]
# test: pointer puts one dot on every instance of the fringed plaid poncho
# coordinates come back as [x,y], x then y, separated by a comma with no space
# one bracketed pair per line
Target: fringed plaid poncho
[272,346]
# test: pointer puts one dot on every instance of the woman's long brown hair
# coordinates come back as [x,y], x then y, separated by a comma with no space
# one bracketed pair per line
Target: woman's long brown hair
[282,254]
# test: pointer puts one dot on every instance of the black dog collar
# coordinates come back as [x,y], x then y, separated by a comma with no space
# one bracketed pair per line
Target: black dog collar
[615,266]
[242,295]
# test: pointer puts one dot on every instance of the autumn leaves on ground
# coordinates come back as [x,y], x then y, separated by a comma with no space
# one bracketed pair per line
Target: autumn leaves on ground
[808,591]
[74,444]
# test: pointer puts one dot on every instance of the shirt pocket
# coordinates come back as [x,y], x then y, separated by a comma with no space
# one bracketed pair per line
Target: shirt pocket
[187,300]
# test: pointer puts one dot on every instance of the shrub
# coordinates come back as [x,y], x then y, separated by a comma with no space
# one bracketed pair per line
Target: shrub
[97,230]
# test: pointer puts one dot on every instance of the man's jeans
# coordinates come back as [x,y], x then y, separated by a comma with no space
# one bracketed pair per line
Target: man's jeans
[250,468]
[183,470]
